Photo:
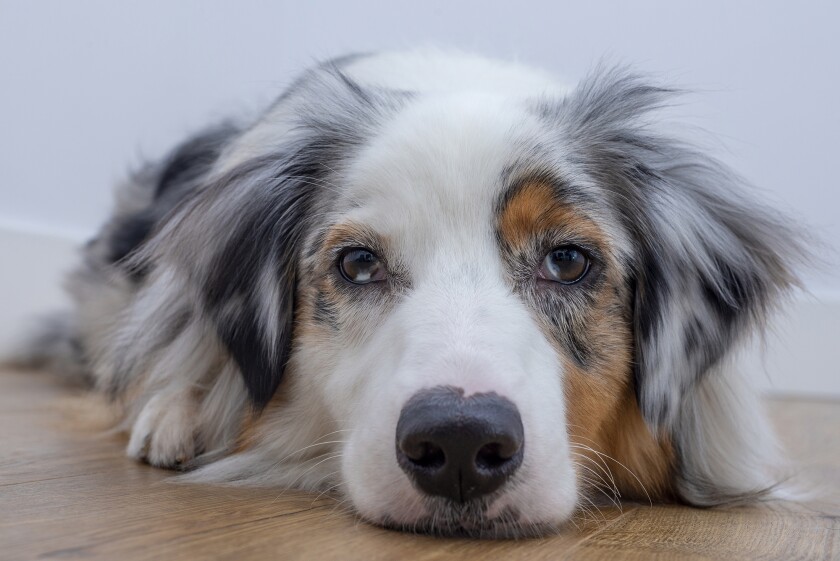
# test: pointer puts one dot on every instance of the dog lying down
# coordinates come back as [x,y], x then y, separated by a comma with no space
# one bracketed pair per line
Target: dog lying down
[460,295]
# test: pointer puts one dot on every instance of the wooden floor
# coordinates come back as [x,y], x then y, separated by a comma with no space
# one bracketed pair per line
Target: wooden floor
[67,492]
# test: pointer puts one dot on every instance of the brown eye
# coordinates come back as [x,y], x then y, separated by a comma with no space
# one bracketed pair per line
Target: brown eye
[567,264]
[361,266]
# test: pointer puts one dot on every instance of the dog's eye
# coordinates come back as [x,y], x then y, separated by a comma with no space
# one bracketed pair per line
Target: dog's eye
[361,266]
[567,264]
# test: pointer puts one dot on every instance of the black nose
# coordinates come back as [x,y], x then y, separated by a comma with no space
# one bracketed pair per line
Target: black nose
[456,447]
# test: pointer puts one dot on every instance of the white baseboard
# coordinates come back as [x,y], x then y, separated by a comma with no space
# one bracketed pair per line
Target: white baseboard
[33,267]
[801,353]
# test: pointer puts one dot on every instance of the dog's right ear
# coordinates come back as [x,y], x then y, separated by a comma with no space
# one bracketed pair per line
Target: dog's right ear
[249,287]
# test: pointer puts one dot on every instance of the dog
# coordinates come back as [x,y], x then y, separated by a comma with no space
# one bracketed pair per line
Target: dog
[457,293]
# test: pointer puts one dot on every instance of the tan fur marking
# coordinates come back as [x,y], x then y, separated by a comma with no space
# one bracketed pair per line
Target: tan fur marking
[534,209]
[341,234]
[603,415]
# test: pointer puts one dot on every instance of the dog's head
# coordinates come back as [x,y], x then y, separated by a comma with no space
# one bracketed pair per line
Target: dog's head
[483,307]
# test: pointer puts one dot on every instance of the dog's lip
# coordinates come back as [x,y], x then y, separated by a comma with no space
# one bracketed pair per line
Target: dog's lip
[470,520]
[495,528]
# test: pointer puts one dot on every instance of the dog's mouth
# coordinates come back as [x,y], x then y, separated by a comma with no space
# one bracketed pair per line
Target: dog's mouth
[471,519]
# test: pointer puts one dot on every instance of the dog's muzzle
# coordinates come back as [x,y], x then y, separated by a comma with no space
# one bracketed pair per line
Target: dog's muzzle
[456,447]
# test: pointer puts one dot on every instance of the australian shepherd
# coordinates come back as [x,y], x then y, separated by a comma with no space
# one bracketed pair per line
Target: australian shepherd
[463,296]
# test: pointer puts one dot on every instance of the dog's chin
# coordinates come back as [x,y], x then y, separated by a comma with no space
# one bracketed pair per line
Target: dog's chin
[445,518]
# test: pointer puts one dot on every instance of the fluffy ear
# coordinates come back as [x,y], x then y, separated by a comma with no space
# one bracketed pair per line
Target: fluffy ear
[238,239]
[707,263]
[710,267]
[249,288]
[232,244]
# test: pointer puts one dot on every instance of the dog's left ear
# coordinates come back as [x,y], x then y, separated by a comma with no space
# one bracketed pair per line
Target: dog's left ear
[709,268]
[709,262]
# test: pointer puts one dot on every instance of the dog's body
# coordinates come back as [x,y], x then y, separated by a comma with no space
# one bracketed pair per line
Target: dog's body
[423,245]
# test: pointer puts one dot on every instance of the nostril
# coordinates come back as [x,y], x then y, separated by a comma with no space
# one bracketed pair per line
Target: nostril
[490,456]
[426,455]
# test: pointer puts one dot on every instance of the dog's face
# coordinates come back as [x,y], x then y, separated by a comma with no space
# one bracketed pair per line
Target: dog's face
[486,307]
[450,270]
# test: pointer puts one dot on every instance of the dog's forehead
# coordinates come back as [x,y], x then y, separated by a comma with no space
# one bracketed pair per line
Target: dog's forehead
[436,177]
[440,166]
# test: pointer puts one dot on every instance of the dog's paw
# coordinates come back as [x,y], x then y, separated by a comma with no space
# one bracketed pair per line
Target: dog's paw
[164,433]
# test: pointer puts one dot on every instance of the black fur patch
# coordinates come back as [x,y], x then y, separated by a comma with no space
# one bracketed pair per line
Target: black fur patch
[324,312]
[131,231]
[193,159]
[179,176]
[269,234]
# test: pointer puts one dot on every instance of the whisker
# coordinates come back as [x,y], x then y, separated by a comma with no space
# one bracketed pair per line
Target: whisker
[596,474]
[603,464]
[290,486]
[639,481]
[299,450]
[599,488]
[328,489]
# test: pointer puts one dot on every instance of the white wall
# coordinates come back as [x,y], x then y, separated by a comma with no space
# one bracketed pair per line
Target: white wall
[89,88]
